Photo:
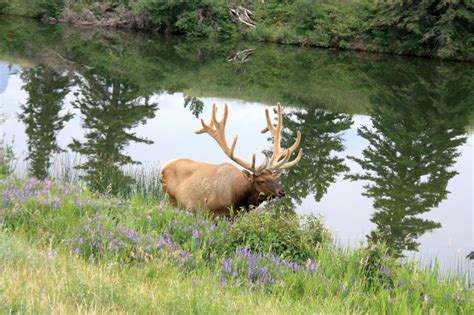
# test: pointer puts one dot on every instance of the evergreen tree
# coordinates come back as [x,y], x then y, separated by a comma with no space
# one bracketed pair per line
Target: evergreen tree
[418,122]
[46,91]
[319,166]
[438,27]
[110,105]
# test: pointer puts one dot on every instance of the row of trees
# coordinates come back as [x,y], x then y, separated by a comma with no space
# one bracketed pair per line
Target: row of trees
[421,27]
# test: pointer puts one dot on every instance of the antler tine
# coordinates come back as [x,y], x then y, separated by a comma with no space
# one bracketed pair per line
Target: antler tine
[216,129]
[232,147]
[264,163]
[280,158]
[203,129]
[294,162]
[276,133]
[214,115]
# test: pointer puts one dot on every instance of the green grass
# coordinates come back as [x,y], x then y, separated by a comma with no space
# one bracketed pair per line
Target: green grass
[65,249]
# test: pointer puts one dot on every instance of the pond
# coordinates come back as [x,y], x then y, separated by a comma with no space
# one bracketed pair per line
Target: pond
[388,141]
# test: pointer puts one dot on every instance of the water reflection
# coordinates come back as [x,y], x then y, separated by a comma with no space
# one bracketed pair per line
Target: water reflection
[195,105]
[41,115]
[418,122]
[319,166]
[419,108]
[110,106]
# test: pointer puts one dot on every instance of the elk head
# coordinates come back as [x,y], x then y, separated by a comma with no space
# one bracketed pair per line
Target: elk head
[263,178]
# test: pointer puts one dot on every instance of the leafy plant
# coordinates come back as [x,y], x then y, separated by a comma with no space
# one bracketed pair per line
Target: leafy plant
[47,8]
[197,18]
[4,6]
[436,27]
[6,158]
[282,235]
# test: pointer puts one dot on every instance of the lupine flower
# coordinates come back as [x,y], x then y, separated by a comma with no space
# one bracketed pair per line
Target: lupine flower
[385,270]
[311,265]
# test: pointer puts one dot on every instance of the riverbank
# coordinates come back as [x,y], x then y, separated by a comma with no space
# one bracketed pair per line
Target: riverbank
[81,251]
[444,30]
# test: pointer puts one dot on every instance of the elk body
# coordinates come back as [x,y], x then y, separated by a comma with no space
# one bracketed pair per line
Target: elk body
[221,188]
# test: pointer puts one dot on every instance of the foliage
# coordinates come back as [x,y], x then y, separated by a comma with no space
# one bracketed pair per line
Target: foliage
[46,8]
[281,235]
[407,118]
[46,91]
[325,25]
[6,158]
[196,18]
[4,6]
[110,105]
[319,167]
[435,27]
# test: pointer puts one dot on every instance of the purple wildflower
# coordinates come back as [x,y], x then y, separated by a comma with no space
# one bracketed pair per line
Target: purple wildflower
[385,271]
[227,264]
[57,202]
[311,266]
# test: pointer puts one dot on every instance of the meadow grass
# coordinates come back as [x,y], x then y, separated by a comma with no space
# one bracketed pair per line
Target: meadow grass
[64,249]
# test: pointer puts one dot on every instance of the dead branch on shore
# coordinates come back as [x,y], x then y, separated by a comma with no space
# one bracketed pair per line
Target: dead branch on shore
[243,16]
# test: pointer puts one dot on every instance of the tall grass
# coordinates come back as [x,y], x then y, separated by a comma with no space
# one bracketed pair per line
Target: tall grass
[145,178]
[66,249]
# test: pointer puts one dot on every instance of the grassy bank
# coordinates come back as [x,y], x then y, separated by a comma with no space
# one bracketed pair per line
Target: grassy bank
[66,249]
[424,28]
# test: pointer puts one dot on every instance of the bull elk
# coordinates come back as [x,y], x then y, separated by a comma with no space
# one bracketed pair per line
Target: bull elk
[223,188]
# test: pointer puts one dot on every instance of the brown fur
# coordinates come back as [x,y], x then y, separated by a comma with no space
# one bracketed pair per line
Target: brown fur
[219,188]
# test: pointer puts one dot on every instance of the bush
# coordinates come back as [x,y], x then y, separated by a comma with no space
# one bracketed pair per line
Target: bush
[328,25]
[428,27]
[197,18]
[4,6]
[6,157]
[47,8]
[284,235]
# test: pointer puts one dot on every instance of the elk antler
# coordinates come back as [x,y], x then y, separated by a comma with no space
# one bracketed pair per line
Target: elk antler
[216,129]
[280,158]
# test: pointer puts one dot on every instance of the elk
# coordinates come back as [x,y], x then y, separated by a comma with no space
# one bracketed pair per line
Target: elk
[225,188]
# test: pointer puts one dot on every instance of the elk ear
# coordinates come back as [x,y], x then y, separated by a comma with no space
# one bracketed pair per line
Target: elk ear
[247,174]
[277,174]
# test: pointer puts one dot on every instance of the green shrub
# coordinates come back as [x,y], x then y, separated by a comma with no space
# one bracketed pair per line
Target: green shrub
[197,18]
[4,6]
[328,25]
[47,8]
[6,158]
[283,235]
[426,27]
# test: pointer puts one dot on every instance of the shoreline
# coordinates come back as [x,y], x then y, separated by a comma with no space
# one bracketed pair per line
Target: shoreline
[141,24]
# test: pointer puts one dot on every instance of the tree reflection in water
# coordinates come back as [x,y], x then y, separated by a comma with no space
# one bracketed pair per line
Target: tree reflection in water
[46,90]
[418,122]
[319,167]
[111,105]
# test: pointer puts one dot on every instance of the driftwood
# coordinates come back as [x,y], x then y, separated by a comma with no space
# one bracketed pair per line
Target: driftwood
[243,16]
[241,56]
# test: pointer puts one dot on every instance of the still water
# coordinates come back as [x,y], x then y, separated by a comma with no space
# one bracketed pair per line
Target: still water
[388,141]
